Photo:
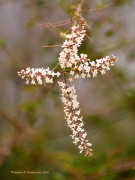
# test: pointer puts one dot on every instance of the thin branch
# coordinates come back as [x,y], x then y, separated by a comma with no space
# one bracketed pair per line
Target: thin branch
[51,46]
[55,66]
[67,31]
[64,71]
[91,40]
[87,25]
[62,23]
[57,25]
[79,10]
[65,79]
[98,9]
[80,7]
[56,29]
[71,24]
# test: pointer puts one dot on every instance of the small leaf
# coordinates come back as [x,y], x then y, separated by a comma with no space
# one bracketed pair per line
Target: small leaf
[63,35]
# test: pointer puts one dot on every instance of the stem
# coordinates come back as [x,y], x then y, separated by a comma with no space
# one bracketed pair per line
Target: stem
[56,66]
[65,79]
[56,24]
[51,46]
[64,71]
[87,25]
[99,9]
[77,12]
[53,27]
[89,38]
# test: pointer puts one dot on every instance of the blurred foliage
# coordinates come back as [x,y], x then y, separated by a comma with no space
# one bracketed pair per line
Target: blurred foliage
[3,43]
[33,133]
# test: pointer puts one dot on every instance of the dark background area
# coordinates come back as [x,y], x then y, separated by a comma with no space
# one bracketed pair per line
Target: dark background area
[33,132]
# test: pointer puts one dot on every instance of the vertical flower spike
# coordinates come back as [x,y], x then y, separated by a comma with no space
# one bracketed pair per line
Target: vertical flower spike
[69,54]
[72,112]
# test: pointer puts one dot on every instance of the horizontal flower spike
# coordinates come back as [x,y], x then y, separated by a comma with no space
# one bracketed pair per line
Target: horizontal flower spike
[74,121]
[69,54]
[38,76]
[86,68]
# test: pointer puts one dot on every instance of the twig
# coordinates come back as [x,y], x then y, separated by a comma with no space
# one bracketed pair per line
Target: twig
[55,66]
[56,25]
[65,79]
[98,9]
[78,10]
[62,23]
[87,25]
[89,38]
[51,46]
[67,31]
[71,23]
[53,27]
[64,71]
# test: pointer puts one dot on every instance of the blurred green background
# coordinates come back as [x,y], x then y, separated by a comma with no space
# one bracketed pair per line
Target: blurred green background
[33,132]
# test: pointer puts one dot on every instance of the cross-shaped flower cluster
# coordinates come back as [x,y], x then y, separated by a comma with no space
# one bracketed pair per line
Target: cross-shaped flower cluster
[78,66]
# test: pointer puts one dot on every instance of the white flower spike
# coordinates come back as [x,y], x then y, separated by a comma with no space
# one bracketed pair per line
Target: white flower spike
[79,66]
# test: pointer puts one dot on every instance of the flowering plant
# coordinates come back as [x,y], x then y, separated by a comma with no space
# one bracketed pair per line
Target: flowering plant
[78,66]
